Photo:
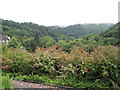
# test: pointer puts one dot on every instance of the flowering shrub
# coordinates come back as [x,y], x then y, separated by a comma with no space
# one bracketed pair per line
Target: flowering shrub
[16,61]
[101,64]
[6,63]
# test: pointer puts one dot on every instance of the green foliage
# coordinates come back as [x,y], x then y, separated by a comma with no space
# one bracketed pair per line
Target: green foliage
[13,43]
[46,41]
[90,85]
[111,32]
[6,82]
[86,62]
[29,34]
[112,35]
[16,61]
[79,30]
[67,46]
[34,43]
[100,64]
[27,44]
[110,41]
[22,30]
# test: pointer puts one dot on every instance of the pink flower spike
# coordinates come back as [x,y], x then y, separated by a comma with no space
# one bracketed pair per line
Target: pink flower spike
[86,71]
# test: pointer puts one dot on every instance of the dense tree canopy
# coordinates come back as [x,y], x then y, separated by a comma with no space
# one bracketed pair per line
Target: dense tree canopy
[26,29]
[88,36]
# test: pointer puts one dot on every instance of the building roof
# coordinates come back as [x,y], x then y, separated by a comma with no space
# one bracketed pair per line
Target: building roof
[4,37]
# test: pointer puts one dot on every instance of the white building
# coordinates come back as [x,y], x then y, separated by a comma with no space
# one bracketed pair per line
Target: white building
[4,39]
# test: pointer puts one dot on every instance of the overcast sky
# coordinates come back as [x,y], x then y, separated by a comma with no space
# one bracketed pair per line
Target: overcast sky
[60,12]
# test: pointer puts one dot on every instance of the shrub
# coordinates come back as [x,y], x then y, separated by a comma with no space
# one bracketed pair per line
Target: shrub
[102,63]
[16,61]
[6,82]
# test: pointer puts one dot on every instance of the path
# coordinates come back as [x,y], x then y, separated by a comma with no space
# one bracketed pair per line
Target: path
[21,84]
